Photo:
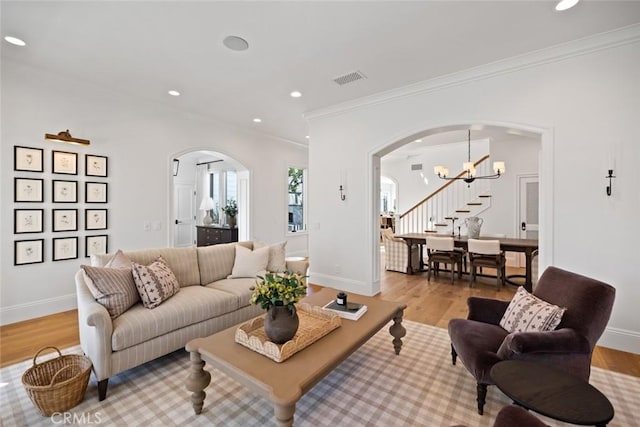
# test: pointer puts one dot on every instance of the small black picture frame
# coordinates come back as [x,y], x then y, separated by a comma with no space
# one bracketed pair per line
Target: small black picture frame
[28,251]
[65,248]
[64,220]
[96,245]
[28,159]
[95,219]
[28,221]
[64,162]
[96,165]
[28,190]
[95,192]
[63,191]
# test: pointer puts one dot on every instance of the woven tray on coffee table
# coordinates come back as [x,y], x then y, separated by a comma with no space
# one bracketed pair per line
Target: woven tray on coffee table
[314,324]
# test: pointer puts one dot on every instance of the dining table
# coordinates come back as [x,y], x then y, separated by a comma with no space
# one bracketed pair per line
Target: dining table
[507,244]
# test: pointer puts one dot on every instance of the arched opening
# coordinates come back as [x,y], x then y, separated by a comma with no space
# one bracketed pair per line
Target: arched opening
[203,182]
[409,151]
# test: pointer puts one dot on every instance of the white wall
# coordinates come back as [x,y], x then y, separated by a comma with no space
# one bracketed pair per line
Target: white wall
[583,97]
[140,140]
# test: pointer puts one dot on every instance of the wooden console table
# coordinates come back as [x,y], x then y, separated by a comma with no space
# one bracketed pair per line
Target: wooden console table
[215,234]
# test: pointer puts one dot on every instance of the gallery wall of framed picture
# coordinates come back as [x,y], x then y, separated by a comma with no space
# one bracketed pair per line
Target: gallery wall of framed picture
[69,201]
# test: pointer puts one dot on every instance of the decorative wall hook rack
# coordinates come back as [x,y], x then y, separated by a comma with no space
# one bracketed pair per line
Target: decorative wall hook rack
[611,175]
[342,195]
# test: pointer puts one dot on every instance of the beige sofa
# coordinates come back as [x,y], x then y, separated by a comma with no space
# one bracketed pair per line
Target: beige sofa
[207,302]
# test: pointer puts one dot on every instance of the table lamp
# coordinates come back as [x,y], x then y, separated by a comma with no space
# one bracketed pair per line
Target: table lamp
[207,205]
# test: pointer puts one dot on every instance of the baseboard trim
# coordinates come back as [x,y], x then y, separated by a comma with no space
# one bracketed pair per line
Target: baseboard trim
[349,285]
[620,339]
[35,309]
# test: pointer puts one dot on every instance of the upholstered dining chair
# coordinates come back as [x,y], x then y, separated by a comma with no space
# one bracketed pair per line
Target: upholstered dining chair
[480,341]
[397,253]
[486,253]
[441,250]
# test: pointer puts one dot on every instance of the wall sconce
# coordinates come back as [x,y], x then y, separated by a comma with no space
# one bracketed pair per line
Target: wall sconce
[611,175]
[65,136]
[176,166]
[342,195]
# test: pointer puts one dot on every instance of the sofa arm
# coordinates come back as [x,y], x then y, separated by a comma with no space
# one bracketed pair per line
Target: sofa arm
[486,310]
[95,328]
[298,266]
[563,340]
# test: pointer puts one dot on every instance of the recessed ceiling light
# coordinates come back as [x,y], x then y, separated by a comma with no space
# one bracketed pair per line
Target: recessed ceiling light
[257,120]
[566,4]
[296,94]
[418,140]
[235,43]
[307,136]
[174,93]
[15,41]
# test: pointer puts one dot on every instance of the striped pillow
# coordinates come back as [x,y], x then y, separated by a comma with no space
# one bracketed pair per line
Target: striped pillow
[527,313]
[114,288]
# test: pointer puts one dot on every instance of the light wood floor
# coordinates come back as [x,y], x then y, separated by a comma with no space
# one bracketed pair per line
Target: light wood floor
[433,303]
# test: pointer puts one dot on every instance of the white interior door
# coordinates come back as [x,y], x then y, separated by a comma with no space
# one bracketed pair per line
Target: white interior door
[185,218]
[528,224]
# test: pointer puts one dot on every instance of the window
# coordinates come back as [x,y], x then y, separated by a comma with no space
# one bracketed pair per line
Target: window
[223,187]
[297,185]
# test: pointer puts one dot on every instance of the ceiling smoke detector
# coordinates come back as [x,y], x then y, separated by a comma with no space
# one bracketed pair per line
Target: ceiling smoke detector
[349,78]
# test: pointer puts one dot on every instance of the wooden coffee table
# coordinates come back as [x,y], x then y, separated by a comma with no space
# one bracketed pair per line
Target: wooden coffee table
[285,383]
[552,392]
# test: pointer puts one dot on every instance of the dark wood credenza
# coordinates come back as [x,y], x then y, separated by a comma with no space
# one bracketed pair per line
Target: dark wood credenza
[215,234]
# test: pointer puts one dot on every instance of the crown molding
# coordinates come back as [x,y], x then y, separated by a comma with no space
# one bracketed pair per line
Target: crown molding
[583,46]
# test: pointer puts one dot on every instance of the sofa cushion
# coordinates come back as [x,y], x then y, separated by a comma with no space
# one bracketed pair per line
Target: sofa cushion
[276,263]
[249,263]
[156,282]
[216,261]
[527,313]
[189,306]
[114,288]
[241,288]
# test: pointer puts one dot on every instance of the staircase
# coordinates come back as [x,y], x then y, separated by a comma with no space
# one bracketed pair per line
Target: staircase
[444,210]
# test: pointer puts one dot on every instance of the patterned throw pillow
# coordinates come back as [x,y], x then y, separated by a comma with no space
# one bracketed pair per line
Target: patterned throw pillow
[114,288]
[155,282]
[527,313]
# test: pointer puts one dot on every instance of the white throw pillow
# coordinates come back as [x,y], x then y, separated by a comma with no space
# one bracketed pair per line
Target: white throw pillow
[528,313]
[249,263]
[119,260]
[277,263]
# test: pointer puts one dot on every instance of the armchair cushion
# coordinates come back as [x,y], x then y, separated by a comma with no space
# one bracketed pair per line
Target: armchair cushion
[560,341]
[476,343]
[527,313]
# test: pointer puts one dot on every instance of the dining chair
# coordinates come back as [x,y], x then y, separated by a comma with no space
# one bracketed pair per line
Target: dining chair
[486,253]
[442,250]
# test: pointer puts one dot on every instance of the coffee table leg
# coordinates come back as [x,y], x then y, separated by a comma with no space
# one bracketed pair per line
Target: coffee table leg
[397,331]
[197,381]
[284,414]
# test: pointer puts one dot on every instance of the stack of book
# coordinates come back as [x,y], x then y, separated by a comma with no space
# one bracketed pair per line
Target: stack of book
[352,311]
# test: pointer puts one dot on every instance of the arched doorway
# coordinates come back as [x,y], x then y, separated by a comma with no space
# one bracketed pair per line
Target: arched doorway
[543,136]
[202,183]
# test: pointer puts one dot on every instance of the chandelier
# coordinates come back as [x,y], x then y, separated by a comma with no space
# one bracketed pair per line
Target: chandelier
[468,174]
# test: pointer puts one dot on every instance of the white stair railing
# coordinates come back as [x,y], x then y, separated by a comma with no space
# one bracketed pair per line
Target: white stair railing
[454,199]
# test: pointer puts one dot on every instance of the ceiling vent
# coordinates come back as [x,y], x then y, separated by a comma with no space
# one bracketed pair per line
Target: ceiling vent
[416,167]
[349,78]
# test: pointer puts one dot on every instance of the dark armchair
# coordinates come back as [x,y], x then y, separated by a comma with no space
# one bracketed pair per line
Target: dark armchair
[481,342]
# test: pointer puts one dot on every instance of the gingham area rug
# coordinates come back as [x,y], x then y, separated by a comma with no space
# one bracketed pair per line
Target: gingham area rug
[373,387]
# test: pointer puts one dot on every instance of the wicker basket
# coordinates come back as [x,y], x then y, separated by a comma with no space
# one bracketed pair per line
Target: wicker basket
[59,384]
